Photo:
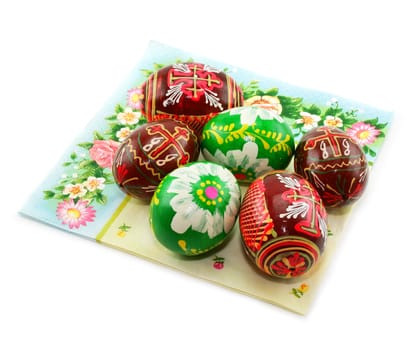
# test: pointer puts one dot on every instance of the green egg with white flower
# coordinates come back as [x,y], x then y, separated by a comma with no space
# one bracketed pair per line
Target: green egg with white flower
[249,141]
[195,207]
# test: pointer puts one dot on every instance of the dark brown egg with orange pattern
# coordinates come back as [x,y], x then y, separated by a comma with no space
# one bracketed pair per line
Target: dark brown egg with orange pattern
[151,152]
[334,163]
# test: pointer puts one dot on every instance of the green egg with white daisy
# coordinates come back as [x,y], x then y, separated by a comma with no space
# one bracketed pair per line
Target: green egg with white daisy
[249,141]
[195,207]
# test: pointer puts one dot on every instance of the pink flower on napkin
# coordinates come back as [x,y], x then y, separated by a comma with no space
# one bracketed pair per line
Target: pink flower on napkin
[103,152]
[363,133]
[74,214]
[135,98]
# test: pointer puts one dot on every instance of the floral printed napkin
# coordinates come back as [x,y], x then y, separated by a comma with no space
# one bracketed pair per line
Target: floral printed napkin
[80,196]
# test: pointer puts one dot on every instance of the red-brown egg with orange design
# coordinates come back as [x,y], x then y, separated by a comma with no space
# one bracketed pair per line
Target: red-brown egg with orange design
[149,153]
[191,92]
[283,225]
[334,163]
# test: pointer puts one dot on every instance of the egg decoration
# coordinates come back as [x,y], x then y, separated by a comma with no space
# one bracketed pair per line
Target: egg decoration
[334,163]
[195,208]
[149,153]
[191,92]
[283,225]
[249,141]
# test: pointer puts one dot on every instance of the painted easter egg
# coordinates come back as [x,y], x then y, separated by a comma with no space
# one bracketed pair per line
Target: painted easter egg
[195,208]
[190,92]
[334,163]
[149,153]
[249,141]
[283,224]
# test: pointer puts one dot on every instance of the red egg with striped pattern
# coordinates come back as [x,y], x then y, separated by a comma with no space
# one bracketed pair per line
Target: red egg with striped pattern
[283,225]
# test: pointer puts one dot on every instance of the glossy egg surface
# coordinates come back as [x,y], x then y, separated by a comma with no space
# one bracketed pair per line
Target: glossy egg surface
[249,141]
[195,208]
[334,163]
[190,92]
[151,152]
[283,225]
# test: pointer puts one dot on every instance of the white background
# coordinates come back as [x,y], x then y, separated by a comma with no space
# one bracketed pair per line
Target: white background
[59,62]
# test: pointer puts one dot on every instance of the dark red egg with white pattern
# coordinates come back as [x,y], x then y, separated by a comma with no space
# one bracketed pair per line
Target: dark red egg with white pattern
[190,92]
[283,225]
[151,152]
[334,163]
